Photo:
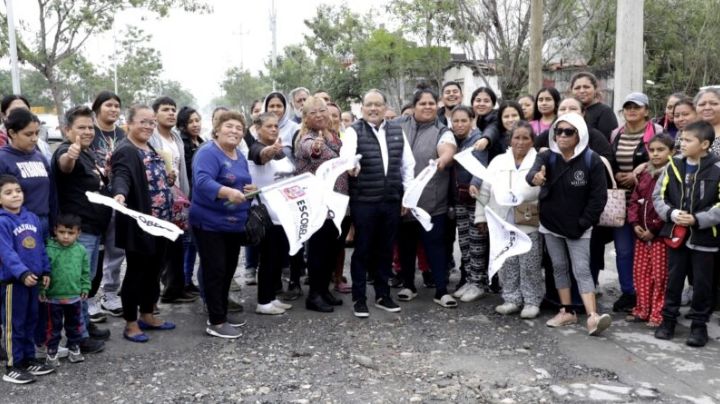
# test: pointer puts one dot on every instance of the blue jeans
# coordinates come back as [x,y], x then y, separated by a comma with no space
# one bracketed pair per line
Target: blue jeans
[190,256]
[91,242]
[252,256]
[624,238]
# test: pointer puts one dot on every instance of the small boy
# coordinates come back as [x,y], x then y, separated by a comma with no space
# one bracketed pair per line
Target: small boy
[687,197]
[71,284]
[23,265]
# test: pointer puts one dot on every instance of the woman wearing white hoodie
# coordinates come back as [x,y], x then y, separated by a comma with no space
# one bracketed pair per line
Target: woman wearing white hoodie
[572,197]
[521,276]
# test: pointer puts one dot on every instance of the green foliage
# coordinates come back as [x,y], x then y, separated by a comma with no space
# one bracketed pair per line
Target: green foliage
[175,90]
[294,68]
[241,88]
[65,25]
[682,47]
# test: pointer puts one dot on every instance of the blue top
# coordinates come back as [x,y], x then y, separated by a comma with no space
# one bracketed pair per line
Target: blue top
[32,170]
[212,170]
[22,249]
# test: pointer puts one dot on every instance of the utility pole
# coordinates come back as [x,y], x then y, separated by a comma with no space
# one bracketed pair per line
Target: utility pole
[273,28]
[14,70]
[535,58]
[628,50]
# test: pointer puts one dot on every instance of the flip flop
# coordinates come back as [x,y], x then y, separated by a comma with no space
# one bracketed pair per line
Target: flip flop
[446,301]
[166,325]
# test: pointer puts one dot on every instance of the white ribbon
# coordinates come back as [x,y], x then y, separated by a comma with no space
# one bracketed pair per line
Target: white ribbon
[474,167]
[415,190]
[150,224]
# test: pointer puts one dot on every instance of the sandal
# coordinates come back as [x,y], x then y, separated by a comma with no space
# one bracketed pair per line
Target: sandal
[446,301]
[406,295]
[166,325]
[342,287]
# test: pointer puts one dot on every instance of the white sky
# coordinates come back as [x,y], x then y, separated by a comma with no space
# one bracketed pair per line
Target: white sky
[197,49]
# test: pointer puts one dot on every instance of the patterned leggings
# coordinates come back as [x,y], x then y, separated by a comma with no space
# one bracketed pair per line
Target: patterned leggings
[650,276]
[474,246]
[521,276]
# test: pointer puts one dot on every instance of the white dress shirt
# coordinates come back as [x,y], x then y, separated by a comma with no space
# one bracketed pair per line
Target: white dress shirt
[349,148]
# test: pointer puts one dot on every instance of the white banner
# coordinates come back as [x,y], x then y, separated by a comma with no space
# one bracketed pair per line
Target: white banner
[150,224]
[470,163]
[327,173]
[415,190]
[298,204]
[506,241]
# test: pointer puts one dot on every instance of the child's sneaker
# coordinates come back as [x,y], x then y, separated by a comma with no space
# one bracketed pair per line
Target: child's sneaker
[74,354]
[52,360]
[37,368]
[17,375]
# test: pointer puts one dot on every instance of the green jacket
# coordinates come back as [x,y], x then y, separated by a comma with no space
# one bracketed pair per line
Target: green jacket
[70,276]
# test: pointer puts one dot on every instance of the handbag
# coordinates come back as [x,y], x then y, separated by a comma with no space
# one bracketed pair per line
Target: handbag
[677,236]
[615,208]
[180,208]
[527,214]
[257,224]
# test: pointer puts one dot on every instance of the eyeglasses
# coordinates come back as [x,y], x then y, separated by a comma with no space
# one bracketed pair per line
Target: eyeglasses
[148,123]
[565,132]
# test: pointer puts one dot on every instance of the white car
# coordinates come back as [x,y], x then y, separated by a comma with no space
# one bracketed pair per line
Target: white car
[50,128]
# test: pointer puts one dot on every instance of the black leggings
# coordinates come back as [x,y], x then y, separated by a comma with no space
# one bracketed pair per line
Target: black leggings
[323,249]
[273,254]
[141,286]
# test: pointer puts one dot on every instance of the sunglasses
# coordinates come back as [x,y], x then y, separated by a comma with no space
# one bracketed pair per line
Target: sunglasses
[565,132]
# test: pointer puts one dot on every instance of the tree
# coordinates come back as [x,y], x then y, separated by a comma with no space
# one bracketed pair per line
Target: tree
[497,34]
[682,47]
[138,68]
[175,90]
[33,84]
[241,88]
[65,25]
[294,68]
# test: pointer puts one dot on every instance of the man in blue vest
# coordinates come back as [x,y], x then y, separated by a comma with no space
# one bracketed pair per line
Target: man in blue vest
[376,190]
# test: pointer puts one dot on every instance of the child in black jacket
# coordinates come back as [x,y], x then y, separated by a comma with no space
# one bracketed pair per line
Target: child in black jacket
[687,198]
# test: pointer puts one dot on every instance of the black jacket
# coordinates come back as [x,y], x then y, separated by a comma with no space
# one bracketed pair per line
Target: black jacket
[488,125]
[704,201]
[574,195]
[129,180]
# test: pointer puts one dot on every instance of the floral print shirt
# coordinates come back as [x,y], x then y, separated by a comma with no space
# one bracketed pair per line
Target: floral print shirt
[160,193]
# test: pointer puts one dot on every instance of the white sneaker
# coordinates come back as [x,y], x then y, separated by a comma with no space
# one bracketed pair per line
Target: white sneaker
[96,314]
[41,351]
[112,304]
[529,311]
[507,308]
[458,293]
[269,309]
[472,293]
[277,303]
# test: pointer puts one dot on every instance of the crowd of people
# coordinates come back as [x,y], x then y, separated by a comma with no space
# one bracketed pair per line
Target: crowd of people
[559,169]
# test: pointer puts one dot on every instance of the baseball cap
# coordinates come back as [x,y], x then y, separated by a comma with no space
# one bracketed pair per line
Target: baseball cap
[639,99]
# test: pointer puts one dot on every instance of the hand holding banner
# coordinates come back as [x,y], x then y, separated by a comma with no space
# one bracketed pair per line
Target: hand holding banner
[506,241]
[327,173]
[470,163]
[415,190]
[298,204]
[150,224]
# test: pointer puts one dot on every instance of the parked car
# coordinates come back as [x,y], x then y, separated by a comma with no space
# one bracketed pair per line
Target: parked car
[50,128]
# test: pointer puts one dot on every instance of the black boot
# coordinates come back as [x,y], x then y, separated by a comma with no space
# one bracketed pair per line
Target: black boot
[625,303]
[330,299]
[315,302]
[698,335]
[666,330]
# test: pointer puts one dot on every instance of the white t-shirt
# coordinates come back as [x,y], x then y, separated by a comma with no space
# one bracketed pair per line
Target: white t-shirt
[169,146]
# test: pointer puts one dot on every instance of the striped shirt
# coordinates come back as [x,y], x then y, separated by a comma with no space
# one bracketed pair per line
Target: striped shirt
[625,154]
